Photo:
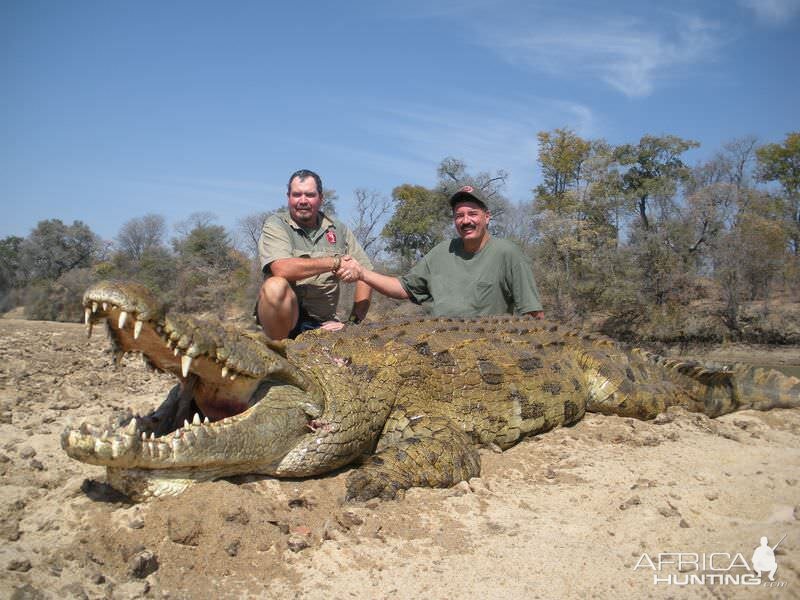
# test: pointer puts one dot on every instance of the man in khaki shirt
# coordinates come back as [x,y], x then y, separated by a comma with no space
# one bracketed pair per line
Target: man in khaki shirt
[301,253]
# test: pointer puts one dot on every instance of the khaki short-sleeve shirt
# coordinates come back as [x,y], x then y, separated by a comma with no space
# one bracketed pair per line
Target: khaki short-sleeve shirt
[282,238]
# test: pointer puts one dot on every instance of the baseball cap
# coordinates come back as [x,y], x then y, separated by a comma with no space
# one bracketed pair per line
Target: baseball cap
[468,194]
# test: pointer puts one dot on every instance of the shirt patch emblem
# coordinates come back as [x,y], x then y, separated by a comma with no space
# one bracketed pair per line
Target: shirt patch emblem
[330,235]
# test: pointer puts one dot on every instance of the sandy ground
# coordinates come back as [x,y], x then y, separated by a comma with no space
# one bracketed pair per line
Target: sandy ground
[567,515]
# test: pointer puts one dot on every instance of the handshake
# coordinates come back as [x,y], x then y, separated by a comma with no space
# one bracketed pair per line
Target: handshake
[348,269]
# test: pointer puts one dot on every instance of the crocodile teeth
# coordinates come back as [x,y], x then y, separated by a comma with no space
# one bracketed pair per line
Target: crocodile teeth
[196,419]
[87,314]
[123,316]
[131,428]
[224,371]
[105,305]
[206,421]
[144,436]
[186,423]
[137,329]
[94,307]
[176,351]
[186,363]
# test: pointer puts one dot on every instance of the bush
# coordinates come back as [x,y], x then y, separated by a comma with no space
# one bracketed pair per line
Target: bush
[59,300]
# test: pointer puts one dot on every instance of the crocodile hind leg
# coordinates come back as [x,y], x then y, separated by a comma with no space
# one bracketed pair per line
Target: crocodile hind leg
[435,454]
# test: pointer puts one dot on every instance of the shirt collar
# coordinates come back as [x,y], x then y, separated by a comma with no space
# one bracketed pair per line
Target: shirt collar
[324,222]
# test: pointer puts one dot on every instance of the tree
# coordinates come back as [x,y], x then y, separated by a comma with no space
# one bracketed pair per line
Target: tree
[562,155]
[573,211]
[453,175]
[416,224]
[371,208]
[750,256]
[329,199]
[781,163]
[205,245]
[54,248]
[140,235]
[11,274]
[211,273]
[249,229]
[655,169]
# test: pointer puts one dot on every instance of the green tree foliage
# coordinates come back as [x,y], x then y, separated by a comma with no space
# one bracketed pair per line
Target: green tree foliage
[211,272]
[574,217]
[11,274]
[416,224]
[653,168]
[781,163]
[50,268]
[562,155]
[142,256]
[54,248]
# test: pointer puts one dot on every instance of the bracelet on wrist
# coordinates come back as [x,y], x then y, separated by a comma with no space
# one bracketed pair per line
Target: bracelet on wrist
[337,262]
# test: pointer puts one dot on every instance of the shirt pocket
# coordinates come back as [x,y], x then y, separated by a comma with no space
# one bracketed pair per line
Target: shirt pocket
[484,291]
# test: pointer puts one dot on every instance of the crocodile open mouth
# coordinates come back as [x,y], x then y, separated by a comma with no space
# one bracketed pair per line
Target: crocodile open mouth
[221,374]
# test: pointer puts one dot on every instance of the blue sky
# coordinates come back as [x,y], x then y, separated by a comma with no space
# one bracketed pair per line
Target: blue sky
[110,110]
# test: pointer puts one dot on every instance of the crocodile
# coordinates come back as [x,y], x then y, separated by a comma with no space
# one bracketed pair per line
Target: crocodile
[408,402]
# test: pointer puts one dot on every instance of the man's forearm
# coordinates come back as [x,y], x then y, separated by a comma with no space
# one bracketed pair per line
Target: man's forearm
[294,269]
[388,286]
[361,300]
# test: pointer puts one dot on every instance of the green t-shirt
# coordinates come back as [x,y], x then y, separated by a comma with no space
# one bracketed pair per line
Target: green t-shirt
[497,280]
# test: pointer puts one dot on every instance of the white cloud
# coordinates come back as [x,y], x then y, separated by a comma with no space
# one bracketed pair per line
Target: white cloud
[629,54]
[773,12]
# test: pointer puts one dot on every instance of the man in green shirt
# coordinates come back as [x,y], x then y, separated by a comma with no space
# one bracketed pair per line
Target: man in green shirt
[300,252]
[469,276]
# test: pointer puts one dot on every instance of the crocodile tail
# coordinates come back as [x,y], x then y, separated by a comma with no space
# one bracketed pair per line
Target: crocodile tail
[738,386]
[763,389]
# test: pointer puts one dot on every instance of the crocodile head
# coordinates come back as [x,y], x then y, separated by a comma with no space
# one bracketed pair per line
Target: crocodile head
[239,405]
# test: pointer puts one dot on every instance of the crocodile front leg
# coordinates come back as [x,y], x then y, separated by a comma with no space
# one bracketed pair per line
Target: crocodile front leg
[437,454]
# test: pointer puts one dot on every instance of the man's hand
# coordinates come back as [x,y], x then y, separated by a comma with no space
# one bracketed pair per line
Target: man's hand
[349,270]
[332,325]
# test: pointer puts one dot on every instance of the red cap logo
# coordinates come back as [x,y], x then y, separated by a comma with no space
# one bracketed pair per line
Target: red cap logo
[467,188]
[331,236]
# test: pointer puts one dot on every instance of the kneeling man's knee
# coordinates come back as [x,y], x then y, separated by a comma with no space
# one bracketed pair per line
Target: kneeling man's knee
[274,289]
